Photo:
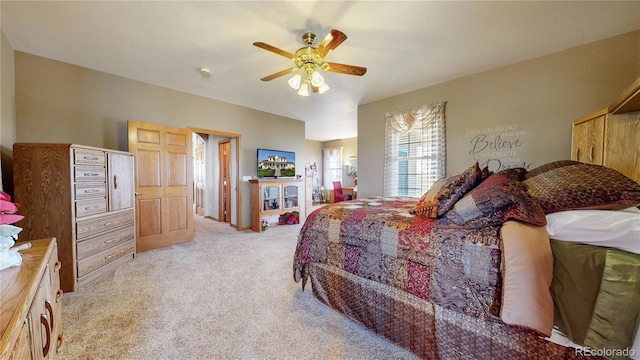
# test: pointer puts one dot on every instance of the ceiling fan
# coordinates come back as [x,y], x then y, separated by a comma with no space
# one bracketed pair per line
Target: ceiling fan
[309,59]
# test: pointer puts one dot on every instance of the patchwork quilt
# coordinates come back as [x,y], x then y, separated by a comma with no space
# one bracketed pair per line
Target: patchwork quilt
[437,260]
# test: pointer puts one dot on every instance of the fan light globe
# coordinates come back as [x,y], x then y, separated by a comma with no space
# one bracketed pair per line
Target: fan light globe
[316,79]
[294,82]
[304,90]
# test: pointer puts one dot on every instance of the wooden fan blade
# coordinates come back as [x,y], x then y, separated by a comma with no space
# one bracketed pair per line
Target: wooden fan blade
[279,73]
[344,69]
[274,49]
[330,42]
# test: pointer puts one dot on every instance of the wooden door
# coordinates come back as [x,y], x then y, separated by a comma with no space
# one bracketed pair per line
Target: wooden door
[224,150]
[199,174]
[164,184]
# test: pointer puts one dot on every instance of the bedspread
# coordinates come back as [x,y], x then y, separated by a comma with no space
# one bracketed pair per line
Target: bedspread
[378,239]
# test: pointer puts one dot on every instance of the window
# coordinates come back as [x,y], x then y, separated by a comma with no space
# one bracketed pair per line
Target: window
[415,151]
[332,169]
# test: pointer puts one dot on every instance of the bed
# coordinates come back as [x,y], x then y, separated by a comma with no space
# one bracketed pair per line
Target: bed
[469,270]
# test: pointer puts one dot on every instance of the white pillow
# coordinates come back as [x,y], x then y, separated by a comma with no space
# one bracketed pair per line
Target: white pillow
[611,228]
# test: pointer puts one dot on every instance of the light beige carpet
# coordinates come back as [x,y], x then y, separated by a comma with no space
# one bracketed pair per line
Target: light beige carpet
[226,295]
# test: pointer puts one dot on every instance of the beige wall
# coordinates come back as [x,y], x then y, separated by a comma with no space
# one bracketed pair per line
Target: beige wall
[7,113]
[313,154]
[59,102]
[530,105]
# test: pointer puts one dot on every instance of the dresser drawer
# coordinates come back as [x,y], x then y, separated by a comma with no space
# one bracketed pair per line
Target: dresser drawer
[86,228]
[89,173]
[101,259]
[88,157]
[94,245]
[89,191]
[22,348]
[91,207]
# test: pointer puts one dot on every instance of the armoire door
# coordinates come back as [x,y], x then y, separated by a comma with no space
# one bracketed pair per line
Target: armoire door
[121,186]
[163,183]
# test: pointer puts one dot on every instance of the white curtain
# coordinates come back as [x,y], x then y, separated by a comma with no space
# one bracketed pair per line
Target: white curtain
[415,149]
[332,169]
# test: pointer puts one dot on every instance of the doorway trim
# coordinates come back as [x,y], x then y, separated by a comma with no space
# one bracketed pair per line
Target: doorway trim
[235,167]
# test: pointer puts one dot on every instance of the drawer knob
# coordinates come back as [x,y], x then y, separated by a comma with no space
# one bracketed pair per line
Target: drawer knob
[60,342]
[59,294]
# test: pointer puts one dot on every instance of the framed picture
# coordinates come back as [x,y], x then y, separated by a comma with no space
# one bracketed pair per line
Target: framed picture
[316,197]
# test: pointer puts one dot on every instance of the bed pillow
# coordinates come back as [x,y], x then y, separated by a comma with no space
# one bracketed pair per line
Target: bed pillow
[517,173]
[497,199]
[527,267]
[609,228]
[446,192]
[568,185]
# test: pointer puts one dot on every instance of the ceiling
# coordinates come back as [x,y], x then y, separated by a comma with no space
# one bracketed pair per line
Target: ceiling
[405,45]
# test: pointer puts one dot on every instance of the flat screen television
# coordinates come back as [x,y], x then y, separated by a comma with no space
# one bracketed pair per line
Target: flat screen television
[276,164]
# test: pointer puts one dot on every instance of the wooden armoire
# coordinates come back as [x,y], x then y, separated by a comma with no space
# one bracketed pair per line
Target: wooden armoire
[84,197]
[611,137]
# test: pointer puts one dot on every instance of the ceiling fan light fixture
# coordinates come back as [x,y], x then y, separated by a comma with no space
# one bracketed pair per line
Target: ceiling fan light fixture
[304,90]
[316,79]
[309,59]
[295,81]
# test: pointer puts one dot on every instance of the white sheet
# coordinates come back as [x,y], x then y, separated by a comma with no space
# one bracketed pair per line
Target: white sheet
[611,228]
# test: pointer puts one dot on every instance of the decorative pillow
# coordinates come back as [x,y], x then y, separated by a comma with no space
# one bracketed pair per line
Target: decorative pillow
[527,268]
[446,192]
[514,173]
[568,185]
[497,199]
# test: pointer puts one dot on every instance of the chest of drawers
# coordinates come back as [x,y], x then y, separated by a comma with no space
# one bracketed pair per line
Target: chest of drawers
[84,196]
[31,305]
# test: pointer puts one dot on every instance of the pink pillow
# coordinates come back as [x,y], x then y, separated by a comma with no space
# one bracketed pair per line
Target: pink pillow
[527,270]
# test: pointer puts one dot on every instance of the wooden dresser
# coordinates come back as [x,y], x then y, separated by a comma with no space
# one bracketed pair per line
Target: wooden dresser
[611,136]
[83,196]
[31,305]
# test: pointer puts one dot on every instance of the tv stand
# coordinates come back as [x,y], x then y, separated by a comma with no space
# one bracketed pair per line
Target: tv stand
[273,197]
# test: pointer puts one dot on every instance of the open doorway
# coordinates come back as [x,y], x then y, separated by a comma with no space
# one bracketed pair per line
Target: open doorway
[216,169]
